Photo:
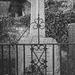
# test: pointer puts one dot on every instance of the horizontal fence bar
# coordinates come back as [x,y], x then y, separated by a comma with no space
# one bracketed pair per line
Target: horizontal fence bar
[41,44]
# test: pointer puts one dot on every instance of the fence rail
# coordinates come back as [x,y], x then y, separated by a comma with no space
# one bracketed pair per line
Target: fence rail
[9,54]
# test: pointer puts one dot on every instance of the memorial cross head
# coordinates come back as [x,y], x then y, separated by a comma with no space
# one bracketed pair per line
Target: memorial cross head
[38,23]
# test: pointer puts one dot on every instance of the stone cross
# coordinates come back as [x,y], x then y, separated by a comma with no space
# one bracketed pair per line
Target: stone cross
[37,10]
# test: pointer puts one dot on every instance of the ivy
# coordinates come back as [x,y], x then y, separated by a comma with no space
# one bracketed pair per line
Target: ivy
[56,27]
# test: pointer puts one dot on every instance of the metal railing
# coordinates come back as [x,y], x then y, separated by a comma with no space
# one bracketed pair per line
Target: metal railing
[9,54]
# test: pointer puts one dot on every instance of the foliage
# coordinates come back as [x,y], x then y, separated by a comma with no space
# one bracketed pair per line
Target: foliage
[56,27]
[25,20]
[57,21]
[52,6]
[9,28]
[6,25]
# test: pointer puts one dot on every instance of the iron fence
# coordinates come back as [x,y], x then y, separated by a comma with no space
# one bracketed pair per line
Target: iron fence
[9,54]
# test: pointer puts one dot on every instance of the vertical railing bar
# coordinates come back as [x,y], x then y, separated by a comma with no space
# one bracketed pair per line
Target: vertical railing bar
[16,59]
[45,60]
[68,61]
[2,61]
[32,59]
[9,61]
[53,59]
[60,62]
[24,57]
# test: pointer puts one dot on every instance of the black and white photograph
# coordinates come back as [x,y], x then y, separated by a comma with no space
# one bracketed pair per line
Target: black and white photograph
[37,37]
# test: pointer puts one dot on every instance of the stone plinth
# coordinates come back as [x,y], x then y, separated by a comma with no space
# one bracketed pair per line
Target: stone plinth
[33,40]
